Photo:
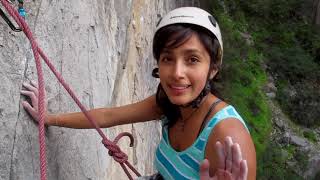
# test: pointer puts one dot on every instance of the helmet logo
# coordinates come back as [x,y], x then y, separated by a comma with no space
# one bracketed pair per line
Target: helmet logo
[181,16]
[213,21]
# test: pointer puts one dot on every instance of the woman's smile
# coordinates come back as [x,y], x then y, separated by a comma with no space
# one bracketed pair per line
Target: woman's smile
[177,89]
[184,70]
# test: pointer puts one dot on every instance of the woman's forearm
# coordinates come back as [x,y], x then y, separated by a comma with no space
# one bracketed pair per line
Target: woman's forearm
[76,120]
[142,111]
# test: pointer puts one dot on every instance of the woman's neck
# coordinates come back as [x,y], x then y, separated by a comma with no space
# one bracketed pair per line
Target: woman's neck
[187,112]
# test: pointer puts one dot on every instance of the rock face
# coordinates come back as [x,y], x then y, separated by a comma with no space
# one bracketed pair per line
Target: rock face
[304,159]
[103,50]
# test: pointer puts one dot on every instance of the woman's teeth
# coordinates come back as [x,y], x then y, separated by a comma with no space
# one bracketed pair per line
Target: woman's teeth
[180,87]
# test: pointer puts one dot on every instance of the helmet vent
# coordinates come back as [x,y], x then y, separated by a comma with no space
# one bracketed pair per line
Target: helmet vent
[213,21]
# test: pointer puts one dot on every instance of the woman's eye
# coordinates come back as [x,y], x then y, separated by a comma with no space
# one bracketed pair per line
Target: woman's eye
[193,60]
[165,59]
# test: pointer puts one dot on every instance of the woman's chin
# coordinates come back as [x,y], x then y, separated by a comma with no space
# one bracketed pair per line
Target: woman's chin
[179,101]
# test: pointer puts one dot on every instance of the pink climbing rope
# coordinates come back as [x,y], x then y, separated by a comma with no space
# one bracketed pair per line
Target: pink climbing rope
[114,150]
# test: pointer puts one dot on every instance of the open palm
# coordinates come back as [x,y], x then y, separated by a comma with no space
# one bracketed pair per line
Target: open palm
[231,165]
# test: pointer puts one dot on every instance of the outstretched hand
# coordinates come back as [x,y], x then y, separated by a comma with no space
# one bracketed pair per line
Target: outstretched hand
[32,92]
[231,165]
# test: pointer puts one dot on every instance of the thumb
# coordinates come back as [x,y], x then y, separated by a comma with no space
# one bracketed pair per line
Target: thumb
[204,170]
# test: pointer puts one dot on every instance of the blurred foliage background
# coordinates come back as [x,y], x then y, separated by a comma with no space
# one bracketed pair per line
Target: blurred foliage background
[277,40]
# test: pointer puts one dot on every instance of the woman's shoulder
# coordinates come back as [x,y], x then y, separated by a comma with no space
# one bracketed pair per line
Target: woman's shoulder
[228,122]
[227,114]
[227,111]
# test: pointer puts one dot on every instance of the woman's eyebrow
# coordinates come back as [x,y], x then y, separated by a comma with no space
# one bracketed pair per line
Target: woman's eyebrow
[191,51]
[166,51]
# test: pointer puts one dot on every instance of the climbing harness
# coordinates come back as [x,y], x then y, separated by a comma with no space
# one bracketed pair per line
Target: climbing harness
[114,150]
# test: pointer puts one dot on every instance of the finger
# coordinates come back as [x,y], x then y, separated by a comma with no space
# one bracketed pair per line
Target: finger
[27,93]
[228,144]
[243,170]
[221,156]
[220,174]
[236,159]
[223,174]
[31,88]
[204,170]
[29,108]
[35,84]
[32,96]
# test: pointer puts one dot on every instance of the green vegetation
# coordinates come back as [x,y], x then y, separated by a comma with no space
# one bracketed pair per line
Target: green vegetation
[274,162]
[275,37]
[242,78]
[311,136]
[291,45]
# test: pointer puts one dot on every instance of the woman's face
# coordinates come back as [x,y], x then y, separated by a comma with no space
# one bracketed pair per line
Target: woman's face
[183,70]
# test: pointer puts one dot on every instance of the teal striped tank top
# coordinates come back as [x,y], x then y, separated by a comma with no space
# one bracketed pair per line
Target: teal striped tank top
[172,164]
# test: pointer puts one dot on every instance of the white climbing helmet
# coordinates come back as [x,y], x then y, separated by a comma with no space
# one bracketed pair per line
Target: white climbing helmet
[196,16]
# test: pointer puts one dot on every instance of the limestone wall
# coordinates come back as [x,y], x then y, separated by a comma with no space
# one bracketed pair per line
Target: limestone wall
[103,50]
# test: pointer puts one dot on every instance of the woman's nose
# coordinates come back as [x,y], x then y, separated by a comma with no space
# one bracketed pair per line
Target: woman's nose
[178,70]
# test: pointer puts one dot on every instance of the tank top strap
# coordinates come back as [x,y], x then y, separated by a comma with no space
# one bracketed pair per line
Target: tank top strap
[224,113]
[205,119]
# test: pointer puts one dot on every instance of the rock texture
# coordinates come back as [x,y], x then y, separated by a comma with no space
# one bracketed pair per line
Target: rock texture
[103,50]
[304,156]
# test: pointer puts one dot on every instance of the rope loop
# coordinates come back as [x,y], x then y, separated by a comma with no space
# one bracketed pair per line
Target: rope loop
[114,149]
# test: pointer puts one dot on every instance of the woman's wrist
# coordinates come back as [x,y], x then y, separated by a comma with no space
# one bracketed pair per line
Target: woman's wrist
[52,120]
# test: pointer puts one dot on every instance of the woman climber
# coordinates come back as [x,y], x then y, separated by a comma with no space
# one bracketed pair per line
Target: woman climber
[203,137]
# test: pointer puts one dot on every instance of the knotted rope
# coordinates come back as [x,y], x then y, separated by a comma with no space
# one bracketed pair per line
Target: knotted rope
[114,150]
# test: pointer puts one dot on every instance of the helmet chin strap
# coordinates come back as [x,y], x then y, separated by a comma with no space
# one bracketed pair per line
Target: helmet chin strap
[197,101]
[205,91]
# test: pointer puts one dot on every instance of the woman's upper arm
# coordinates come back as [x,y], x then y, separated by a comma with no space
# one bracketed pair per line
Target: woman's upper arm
[141,111]
[235,129]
